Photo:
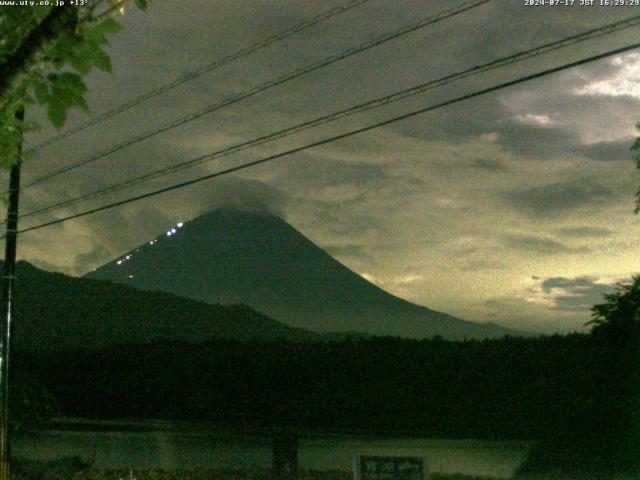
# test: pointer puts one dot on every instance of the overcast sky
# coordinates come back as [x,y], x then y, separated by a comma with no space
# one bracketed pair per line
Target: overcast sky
[515,207]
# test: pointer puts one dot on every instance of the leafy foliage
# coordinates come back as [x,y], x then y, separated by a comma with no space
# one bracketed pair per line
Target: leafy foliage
[603,441]
[566,391]
[500,389]
[16,24]
[53,78]
[635,151]
[45,66]
[619,316]
[32,406]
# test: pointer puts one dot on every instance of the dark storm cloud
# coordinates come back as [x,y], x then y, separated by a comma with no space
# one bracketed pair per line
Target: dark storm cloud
[465,251]
[458,122]
[560,197]
[490,165]
[542,142]
[521,134]
[568,105]
[575,294]
[333,172]
[346,221]
[540,245]
[246,195]
[585,232]
[520,29]
[606,151]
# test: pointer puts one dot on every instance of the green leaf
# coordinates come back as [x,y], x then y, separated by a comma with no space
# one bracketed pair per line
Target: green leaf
[42,92]
[108,26]
[82,103]
[71,81]
[63,97]
[68,89]
[80,62]
[98,32]
[142,5]
[57,62]
[57,111]
[75,51]
[102,61]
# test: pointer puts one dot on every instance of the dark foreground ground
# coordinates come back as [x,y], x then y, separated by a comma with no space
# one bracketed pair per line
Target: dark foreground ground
[256,475]
[72,468]
[576,396]
[200,475]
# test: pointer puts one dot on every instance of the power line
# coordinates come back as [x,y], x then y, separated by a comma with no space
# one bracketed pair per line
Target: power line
[379,102]
[338,137]
[284,34]
[268,85]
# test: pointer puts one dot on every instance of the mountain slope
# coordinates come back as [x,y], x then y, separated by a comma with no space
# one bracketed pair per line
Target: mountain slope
[229,256]
[54,311]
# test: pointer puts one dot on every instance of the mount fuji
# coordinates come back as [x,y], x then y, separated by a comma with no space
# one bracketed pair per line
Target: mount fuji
[232,256]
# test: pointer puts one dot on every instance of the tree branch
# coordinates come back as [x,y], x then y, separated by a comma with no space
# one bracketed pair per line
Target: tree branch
[58,20]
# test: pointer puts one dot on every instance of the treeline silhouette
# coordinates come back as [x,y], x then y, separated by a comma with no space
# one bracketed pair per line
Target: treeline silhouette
[57,311]
[510,388]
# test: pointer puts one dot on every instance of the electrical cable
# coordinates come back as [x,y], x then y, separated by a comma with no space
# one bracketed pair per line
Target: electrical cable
[334,138]
[198,72]
[379,102]
[266,86]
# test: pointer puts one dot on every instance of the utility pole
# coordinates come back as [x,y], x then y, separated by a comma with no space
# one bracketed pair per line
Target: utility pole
[8,277]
